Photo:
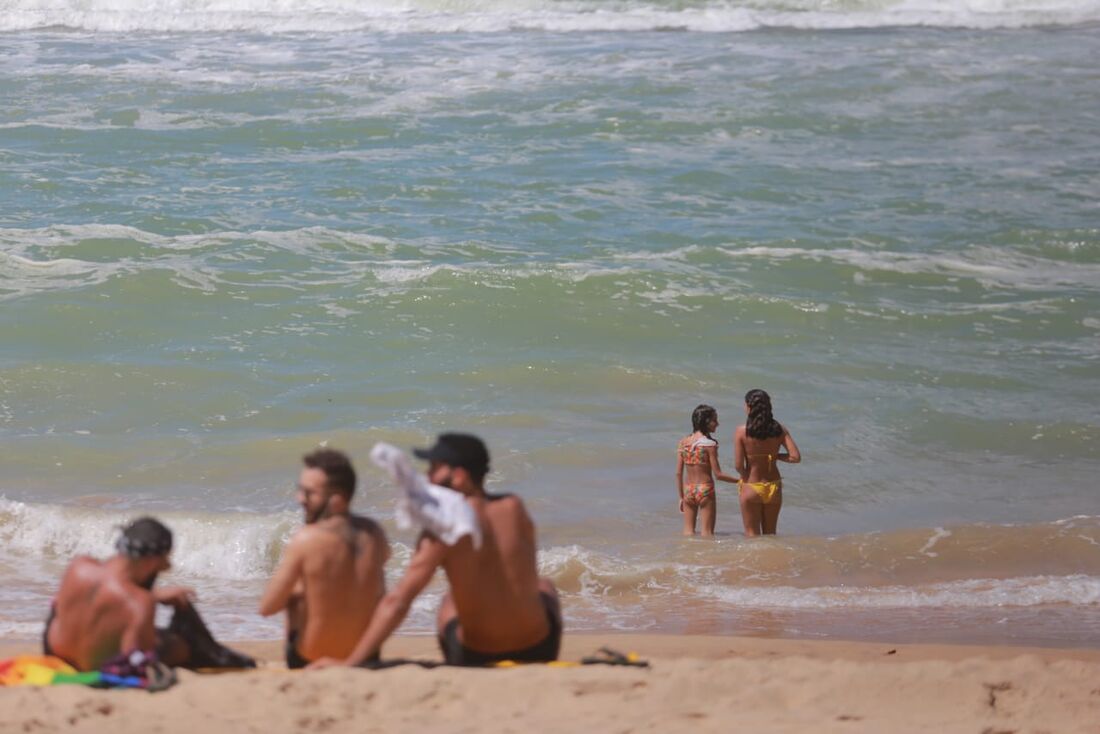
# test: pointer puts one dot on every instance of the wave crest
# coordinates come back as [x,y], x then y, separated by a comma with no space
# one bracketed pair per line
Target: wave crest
[236,546]
[493,16]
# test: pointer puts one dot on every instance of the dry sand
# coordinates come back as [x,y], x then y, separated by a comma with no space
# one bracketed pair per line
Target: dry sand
[700,684]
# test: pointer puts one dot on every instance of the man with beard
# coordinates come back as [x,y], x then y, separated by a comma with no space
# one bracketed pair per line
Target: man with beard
[331,575]
[105,609]
[497,608]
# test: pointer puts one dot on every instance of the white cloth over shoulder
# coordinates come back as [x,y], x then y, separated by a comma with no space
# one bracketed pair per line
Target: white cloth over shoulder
[442,512]
[704,442]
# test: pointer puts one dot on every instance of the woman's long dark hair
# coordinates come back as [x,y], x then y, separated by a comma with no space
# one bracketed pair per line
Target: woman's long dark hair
[760,423]
[701,418]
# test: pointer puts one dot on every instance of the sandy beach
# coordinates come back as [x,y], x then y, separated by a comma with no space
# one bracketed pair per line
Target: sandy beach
[695,682]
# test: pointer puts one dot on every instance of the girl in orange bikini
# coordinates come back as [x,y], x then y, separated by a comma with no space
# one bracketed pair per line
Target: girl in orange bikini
[699,453]
[755,453]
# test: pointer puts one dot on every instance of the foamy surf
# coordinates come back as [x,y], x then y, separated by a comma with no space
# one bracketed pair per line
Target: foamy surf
[226,547]
[495,16]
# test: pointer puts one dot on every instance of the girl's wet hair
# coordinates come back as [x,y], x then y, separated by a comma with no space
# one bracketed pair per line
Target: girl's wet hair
[701,418]
[760,423]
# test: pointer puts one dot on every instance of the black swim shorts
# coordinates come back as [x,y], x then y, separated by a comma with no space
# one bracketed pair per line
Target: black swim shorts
[455,653]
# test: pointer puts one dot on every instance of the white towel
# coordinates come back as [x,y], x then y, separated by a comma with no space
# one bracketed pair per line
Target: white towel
[442,512]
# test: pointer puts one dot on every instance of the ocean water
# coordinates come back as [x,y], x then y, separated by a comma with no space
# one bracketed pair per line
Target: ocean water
[233,229]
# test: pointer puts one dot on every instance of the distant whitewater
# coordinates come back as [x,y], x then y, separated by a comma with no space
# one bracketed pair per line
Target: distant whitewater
[491,16]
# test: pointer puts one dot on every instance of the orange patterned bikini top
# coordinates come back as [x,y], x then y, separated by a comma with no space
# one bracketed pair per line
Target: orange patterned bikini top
[692,450]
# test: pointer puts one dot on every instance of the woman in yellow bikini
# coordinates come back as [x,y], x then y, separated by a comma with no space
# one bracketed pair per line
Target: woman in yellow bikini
[756,454]
[699,454]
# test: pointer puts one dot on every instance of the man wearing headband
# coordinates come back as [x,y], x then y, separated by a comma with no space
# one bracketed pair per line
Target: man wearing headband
[331,575]
[105,608]
[497,607]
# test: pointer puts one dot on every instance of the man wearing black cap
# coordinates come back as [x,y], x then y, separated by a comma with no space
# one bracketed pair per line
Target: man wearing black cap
[497,607]
[105,608]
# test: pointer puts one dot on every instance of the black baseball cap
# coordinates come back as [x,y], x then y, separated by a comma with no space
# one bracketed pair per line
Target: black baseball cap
[458,449]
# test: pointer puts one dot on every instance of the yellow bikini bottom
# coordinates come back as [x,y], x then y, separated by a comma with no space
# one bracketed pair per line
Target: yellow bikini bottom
[766,491]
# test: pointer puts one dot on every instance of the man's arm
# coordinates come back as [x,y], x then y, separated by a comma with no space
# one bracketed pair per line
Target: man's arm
[281,586]
[140,633]
[391,611]
[176,596]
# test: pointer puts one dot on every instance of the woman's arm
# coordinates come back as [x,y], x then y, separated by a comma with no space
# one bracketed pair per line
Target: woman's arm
[740,459]
[793,455]
[712,453]
[680,479]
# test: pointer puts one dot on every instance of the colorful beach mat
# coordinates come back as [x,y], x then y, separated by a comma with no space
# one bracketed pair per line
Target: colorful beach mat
[45,670]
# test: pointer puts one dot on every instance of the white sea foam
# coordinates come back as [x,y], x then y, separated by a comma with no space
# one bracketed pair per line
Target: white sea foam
[227,557]
[232,546]
[987,265]
[491,16]
[972,593]
[937,535]
[20,629]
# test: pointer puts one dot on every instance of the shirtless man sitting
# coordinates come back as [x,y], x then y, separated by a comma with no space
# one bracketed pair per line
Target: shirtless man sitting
[497,607]
[106,608]
[331,575]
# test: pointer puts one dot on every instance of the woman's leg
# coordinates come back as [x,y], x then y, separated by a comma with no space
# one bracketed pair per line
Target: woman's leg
[770,513]
[690,512]
[751,511]
[708,513]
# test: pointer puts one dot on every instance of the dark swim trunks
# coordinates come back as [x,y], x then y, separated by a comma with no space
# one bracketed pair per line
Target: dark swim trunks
[46,649]
[46,632]
[455,653]
[295,661]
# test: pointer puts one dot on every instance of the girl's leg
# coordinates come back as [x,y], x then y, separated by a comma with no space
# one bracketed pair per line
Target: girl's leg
[751,511]
[770,513]
[708,513]
[690,511]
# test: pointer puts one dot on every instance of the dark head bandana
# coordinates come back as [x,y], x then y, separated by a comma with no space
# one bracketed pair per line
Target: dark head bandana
[143,538]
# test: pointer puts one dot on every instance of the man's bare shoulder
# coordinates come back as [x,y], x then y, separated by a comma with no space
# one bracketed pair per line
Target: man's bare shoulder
[510,503]
[83,571]
[367,525]
[140,602]
[84,565]
[119,590]
[508,510]
[305,536]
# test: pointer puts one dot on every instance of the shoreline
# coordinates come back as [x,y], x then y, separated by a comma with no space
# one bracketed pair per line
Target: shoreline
[706,682]
[697,647]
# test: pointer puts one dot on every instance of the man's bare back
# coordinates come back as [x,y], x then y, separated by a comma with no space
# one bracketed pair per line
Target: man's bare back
[331,576]
[98,613]
[341,580]
[495,589]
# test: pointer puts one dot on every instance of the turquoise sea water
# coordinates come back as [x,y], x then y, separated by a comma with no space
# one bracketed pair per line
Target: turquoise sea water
[231,231]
